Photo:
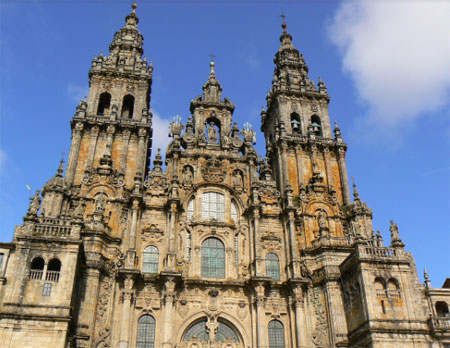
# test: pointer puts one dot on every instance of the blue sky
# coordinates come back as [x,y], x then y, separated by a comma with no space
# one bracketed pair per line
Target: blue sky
[386,66]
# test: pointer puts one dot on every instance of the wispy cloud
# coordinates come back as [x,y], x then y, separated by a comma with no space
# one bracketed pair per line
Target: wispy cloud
[160,133]
[398,55]
[77,93]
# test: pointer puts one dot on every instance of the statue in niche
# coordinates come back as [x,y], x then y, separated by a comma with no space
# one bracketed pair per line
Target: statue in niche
[35,204]
[237,179]
[100,204]
[188,175]
[79,209]
[322,221]
[212,133]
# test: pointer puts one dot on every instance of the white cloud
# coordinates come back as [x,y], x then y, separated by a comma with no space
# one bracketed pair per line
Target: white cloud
[398,55]
[77,93]
[160,134]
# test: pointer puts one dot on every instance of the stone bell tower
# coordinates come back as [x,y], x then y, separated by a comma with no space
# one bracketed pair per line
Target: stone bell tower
[113,126]
[305,157]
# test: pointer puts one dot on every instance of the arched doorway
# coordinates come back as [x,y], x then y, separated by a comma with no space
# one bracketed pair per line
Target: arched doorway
[211,332]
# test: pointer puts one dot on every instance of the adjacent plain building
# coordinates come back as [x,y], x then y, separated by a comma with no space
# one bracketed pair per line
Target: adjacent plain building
[218,248]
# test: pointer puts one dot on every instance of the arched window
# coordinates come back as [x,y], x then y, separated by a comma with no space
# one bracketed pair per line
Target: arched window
[317,125]
[213,258]
[213,206]
[295,123]
[37,268]
[53,269]
[276,334]
[190,210]
[380,287]
[272,266]
[234,214]
[146,332]
[442,309]
[150,260]
[200,332]
[104,104]
[393,288]
[127,106]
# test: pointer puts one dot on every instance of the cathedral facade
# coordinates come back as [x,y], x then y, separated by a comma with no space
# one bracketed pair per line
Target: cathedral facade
[219,248]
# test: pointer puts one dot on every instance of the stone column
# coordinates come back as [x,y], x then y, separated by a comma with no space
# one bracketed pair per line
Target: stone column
[258,256]
[141,152]
[293,241]
[88,308]
[134,217]
[74,152]
[126,134]
[261,322]
[109,139]
[300,318]
[127,298]
[343,174]
[168,309]
[326,155]
[92,146]
[299,167]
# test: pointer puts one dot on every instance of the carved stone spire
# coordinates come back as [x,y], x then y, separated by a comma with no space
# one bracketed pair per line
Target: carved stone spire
[212,90]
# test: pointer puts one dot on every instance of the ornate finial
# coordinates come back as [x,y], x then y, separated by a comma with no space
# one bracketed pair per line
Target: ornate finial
[61,164]
[426,278]
[283,19]
[157,162]
[355,191]
[212,64]
[133,6]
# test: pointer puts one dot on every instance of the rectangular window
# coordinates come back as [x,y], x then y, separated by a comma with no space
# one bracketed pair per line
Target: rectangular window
[213,206]
[47,289]
[1,261]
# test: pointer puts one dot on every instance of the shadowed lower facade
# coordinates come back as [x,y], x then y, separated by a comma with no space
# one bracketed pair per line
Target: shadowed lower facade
[220,248]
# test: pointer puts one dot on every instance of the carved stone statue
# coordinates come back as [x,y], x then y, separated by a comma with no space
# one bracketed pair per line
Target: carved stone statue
[212,133]
[188,175]
[100,204]
[393,228]
[79,210]
[322,220]
[35,204]
[237,179]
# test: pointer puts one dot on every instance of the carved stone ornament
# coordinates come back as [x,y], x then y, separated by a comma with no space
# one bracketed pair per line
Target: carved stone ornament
[269,194]
[156,182]
[214,170]
[152,232]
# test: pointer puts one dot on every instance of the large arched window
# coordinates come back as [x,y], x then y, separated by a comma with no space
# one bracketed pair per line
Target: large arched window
[273,266]
[213,206]
[234,214]
[150,260]
[190,210]
[200,332]
[213,258]
[53,269]
[146,332]
[104,104]
[37,268]
[276,334]
[127,106]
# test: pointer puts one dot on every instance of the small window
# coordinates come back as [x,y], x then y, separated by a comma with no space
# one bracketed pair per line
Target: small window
[53,270]
[393,288]
[213,258]
[146,332]
[213,206]
[127,106]
[234,215]
[442,309]
[104,104]
[276,334]
[150,260]
[272,266]
[47,289]
[190,210]
[2,256]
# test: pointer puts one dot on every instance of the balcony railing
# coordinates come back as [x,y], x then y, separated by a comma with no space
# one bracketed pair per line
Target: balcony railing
[52,276]
[382,293]
[52,227]
[440,323]
[36,274]
[379,251]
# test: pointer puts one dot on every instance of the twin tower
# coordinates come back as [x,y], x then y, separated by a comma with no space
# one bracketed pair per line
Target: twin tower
[221,248]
